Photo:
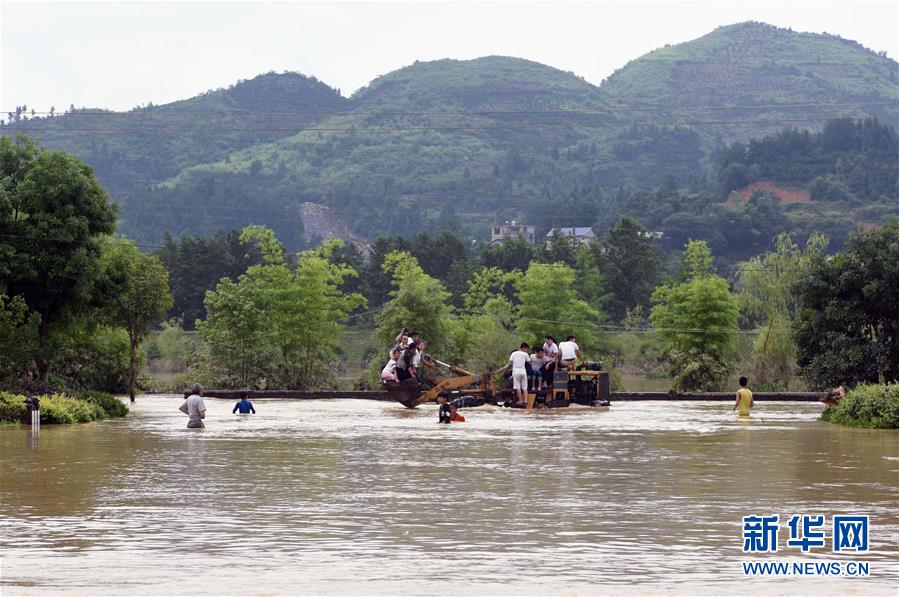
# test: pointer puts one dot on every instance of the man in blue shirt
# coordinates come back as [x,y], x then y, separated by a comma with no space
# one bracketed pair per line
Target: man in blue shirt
[244,406]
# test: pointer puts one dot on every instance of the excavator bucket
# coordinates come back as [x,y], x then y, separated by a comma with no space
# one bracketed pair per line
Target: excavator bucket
[406,392]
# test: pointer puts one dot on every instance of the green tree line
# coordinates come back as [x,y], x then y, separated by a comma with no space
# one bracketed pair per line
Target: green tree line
[76,301]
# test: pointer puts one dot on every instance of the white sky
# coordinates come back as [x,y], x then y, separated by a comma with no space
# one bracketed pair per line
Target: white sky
[120,54]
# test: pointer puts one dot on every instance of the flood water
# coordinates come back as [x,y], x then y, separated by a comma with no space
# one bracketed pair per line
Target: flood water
[362,497]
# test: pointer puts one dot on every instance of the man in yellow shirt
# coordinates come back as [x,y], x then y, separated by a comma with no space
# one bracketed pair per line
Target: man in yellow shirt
[744,398]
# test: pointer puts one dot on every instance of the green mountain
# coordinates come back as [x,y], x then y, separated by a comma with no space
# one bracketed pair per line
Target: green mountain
[146,145]
[460,144]
[754,64]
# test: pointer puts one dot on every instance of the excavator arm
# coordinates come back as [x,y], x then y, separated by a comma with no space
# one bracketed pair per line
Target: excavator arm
[410,395]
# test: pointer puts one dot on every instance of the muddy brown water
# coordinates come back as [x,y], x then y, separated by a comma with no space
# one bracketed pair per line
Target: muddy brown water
[362,497]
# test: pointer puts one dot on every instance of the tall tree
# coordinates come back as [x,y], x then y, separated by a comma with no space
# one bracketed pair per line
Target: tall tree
[509,255]
[18,336]
[847,325]
[418,302]
[137,295]
[279,323]
[766,300]
[374,278]
[549,304]
[630,266]
[196,264]
[53,213]
[697,320]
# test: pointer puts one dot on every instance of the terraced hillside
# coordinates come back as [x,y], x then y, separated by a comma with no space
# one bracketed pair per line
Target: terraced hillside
[460,144]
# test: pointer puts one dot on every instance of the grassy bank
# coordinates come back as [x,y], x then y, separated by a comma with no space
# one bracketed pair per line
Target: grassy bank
[60,408]
[872,406]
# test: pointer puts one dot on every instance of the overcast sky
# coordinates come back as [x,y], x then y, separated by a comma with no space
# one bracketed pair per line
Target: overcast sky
[121,54]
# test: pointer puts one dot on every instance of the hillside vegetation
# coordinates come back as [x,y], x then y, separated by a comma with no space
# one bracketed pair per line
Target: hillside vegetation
[460,144]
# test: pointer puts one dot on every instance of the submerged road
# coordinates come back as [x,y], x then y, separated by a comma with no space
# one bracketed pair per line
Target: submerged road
[615,396]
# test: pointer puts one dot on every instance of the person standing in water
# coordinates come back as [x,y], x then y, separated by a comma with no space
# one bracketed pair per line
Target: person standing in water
[195,408]
[445,413]
[744,398]
[244,406]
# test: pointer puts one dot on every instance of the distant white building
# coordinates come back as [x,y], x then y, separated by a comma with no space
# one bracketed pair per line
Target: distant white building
[511,229]
[652,234]
[579,235]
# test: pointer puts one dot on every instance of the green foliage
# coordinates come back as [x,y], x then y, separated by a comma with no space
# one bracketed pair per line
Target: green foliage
[549,305]
[418,302]
[867,405]
[630,267]
[196,264]
[830,188]
[488,285]
[847,324]
[696,261]
[18,335]
[639,351]
[765,296]
[846,161]
[696,370]
[12,408]
[485,335]
[278,323]
[753,64]
[511,255]
[93,357]
[111,406]
[167,142]
[136,295]
[60,408]
[697,321]
[172,349]
[53,213]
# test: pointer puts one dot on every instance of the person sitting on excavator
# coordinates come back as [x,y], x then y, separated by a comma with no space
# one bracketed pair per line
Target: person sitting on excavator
[538,361]
[405,368]
[402,341]
[388,373]
[569,352]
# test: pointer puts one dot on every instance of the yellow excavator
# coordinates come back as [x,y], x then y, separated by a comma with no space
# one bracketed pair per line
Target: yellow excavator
[410,394]
[588,385]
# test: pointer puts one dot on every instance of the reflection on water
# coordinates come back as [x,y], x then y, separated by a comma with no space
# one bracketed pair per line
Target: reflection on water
[357,496]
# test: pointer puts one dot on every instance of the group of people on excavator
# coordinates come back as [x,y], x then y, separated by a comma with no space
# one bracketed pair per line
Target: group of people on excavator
[535,371]
[406,357]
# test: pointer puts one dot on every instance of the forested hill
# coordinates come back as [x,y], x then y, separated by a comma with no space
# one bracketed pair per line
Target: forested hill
[752,64]
[460,144]
[149,144]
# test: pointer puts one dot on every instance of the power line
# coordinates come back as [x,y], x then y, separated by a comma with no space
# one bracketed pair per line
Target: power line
[596,110]
[392,129]
[667,268]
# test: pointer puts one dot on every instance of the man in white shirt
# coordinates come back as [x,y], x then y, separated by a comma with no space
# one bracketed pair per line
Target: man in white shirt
[518,361]
[569,353]
[551,349]
[194,407]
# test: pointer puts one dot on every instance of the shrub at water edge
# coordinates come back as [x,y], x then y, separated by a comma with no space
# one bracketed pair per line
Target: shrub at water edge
[12,407]
[58,408]
[112,406]
[868,405]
